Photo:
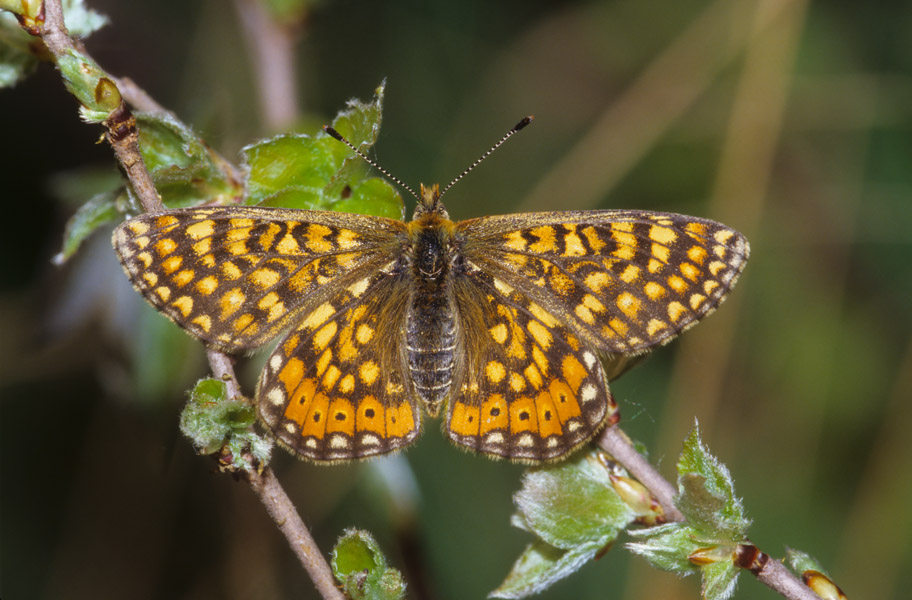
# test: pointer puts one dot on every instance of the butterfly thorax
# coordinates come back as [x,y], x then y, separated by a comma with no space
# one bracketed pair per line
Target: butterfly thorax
[431,323]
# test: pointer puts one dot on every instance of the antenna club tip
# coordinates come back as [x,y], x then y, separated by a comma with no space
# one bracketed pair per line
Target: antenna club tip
[524,122]
[332,132]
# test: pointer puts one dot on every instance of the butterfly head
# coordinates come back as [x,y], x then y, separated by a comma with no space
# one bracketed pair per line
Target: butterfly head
[429,203]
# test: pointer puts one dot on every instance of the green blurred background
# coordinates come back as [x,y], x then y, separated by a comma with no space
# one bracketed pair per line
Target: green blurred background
[787,120]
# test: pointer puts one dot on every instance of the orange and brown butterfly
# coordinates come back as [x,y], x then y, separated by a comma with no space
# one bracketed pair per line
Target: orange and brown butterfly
[498,322]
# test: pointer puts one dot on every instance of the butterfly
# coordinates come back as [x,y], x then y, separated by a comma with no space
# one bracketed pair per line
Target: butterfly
[500,323]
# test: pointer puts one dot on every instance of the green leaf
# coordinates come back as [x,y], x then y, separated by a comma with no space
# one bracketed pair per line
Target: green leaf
[99,210]
[359,565]
[213,421]
[185,170]
[667,547]
[719,580]
[802,561]
[572,503]
[707,494]
[320,172]
[541,565]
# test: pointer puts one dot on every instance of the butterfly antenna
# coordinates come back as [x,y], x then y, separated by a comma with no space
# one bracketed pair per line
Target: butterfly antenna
[509,134]
[386,173]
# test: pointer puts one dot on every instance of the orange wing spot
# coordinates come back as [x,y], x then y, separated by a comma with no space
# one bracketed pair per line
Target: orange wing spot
[542,315]
[291,344]
[515,241]
[660,252]
[237,235]
[341,417]
[625,252]
[564,400]
[163,292]
[618,327]
[653,291]
[399,420]
[523,416]
[231,302]
[675,311]
[203,322]
[171,264]
[300,403]
[138,227]
[207,261]
[369,371]
[242,322]
[540,360]
[573,341]
[655,326]
[597,281]
[267,238]
[331,377]
[533,376]
[347,239]
[519,260]
[494,414]
[288,245]
[316,238]
[677,284]
[240,223]
[574,372]
[698,229]
[595,241]
[573,245]
[237,248]
[546,239]
[517,347]
[370,416]
[495,371]
[165,221]
[230,270]
[662,235]
[184,304]
[200,230]
[517,382]
[347,385]
[716,266]
[146,259]
[593,303]
[540,333]
[629,304]
[183,278]
[267,301]
[690,271]
[695,301]
[697,254]
[345,345]
[291,375]
[723,235]
[622,226]
[319,316]
[655,266]
[151,279]
[317,419]
[264,278]
[710,285]
[548,421]
[165,246]
[323,361]
[630,274]
[465,419]
[364,334]
[207,285]
[324,336]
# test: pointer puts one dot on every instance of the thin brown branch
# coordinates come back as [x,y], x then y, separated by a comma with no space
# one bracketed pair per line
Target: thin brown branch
[770,572]
[120,126]
[283,512]
[271,47]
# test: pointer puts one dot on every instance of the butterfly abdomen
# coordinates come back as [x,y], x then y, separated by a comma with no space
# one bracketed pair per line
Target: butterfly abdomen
[431,327]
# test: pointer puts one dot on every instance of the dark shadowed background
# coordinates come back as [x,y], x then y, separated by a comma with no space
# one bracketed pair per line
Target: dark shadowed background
[787,120]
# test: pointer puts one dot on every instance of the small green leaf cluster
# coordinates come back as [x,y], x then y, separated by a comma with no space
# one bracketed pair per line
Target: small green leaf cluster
[715,524]
[17,50]
[575,512]
[360,566]
[216,423]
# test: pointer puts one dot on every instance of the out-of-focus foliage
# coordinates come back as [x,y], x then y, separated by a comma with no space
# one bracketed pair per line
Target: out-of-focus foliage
[787,120]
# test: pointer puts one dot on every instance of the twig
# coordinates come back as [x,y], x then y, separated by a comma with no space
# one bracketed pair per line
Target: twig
[271,47]
[770,572]
[120,126]
[122,135]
